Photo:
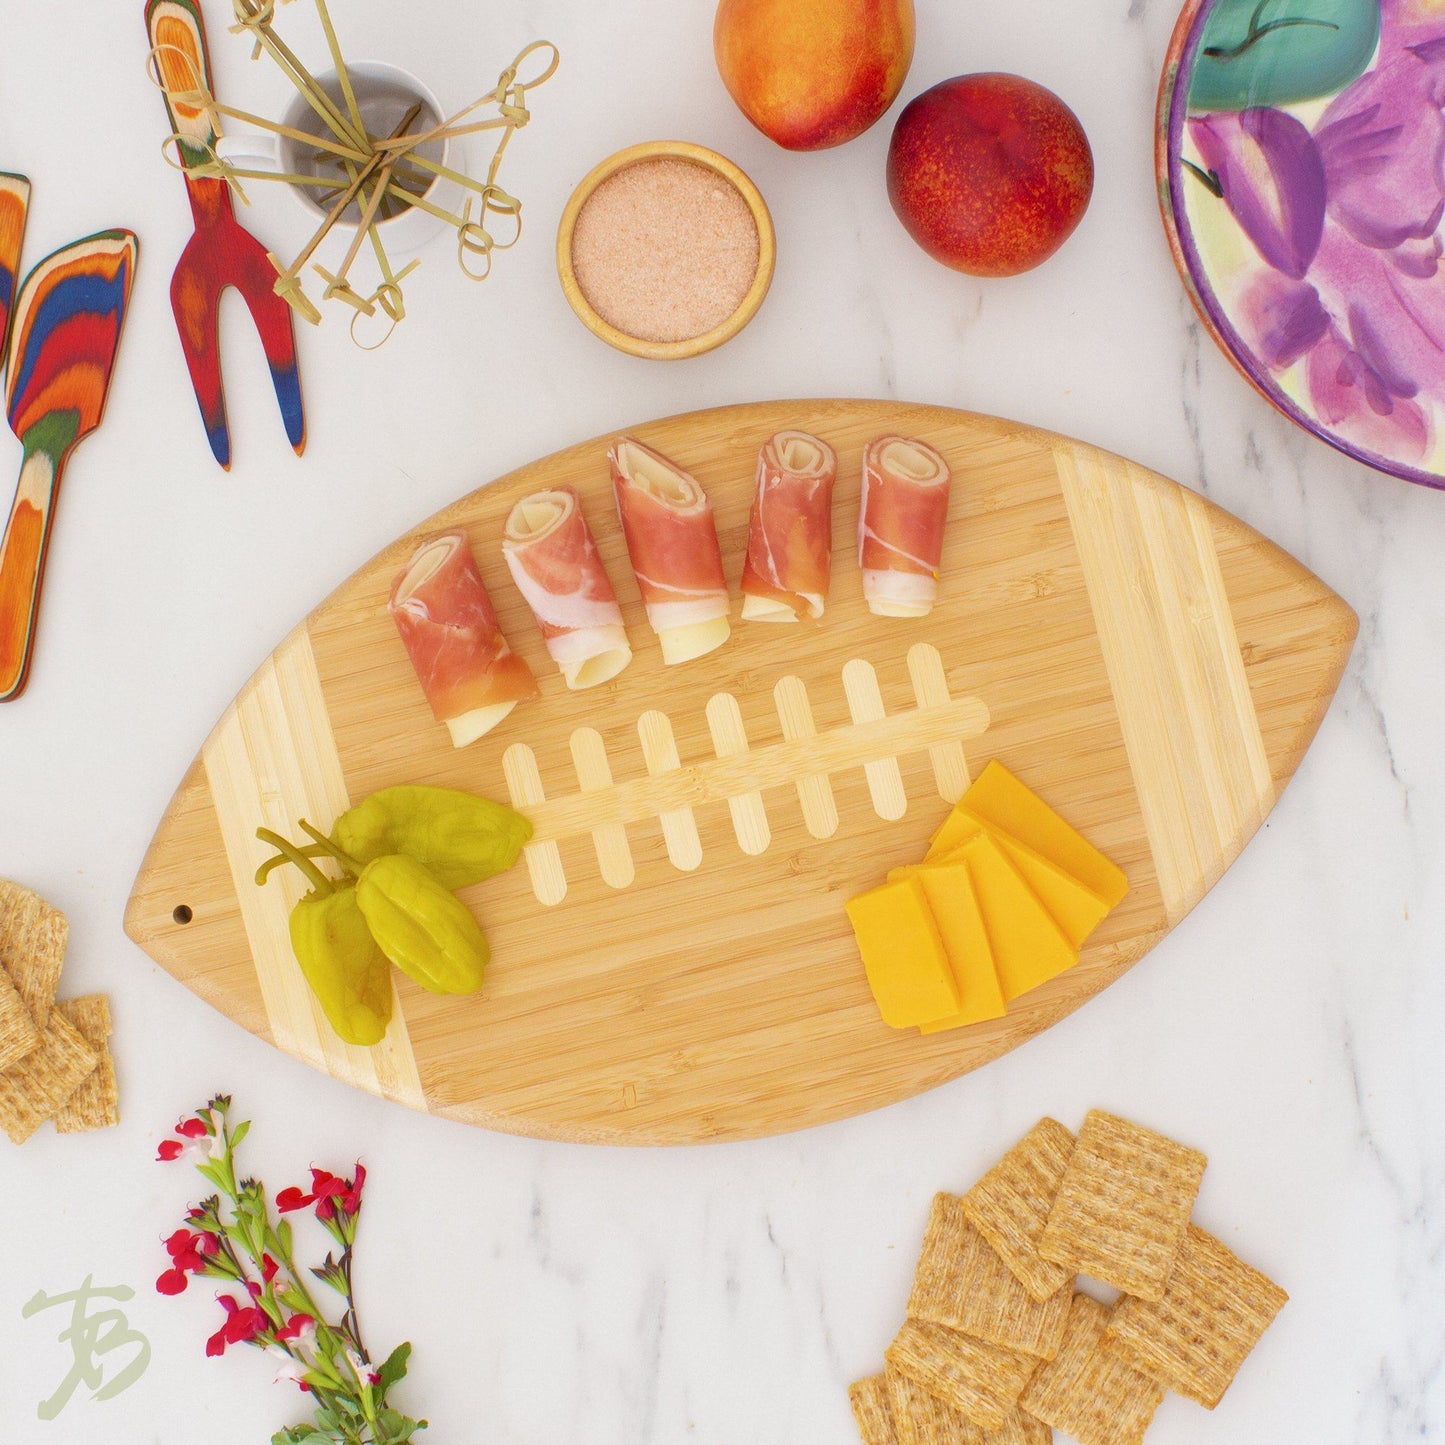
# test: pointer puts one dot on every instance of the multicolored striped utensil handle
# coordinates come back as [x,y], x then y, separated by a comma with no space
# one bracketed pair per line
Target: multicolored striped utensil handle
[222,252]
[67,323]
[14,207]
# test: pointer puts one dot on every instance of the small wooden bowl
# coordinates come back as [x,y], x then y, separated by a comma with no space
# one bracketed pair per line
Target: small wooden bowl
[692,345]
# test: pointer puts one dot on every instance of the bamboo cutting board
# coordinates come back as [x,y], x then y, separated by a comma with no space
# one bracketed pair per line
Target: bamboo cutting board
[673,963]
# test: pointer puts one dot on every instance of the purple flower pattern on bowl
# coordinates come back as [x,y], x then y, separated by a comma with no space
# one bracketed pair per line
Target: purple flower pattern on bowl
[1335,307]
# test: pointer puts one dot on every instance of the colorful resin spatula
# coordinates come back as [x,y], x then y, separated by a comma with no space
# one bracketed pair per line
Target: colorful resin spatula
[221,253]
[14,207]
[67,321]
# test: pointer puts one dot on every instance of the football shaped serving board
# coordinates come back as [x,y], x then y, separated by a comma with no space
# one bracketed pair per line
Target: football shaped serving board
[671,962]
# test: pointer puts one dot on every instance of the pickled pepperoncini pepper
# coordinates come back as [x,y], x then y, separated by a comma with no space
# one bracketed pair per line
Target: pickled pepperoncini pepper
[339,958]
[347,972]
[461,838]
[421,926]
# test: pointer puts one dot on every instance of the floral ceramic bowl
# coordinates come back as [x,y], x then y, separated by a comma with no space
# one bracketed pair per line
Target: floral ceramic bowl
[1301,161]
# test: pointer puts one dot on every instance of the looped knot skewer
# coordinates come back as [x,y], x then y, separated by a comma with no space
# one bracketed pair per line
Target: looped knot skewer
[252,17]
[375,177]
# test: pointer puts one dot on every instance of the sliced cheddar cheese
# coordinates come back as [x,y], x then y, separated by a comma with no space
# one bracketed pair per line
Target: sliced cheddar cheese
[1001,801]
[903,953]
[1028,947]
[951,900]
[1076,908]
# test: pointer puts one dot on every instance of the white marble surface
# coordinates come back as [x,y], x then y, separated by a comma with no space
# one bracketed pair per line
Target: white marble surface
[727,1294]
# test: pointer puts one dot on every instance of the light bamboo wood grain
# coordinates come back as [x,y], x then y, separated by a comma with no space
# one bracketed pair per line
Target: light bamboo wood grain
[1144,661]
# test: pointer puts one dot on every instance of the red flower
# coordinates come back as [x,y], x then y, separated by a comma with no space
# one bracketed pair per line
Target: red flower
[326,1189]
[188,1253]
[173,1281]
[329,1193]
[190,1131]
[269,1268]
[351,1200]
[243,1323]
[295,1327]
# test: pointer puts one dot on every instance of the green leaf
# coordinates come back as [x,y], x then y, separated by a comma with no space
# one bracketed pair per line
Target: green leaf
[239,1133]
[394,1428]
[294,1433]
[393,1368]
[211,1170]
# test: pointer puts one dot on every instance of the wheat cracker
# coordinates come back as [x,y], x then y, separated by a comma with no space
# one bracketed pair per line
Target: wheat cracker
[33,936]
[35,1088]
[869,1399]
[96,1103]
[960,1282]
[1123,1206]
[1212,1315]
[1090,1391]
[923,1419]
[1010,1205]
[18,1034]
[981,1381]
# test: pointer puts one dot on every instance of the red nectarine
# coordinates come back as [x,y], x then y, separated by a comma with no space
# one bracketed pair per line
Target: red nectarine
[989,173]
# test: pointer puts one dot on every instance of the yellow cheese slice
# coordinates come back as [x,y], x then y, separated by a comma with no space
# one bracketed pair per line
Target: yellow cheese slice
[1028,946]
[693,640]
[1076,909]
[471,725]
[1002,802]
[903,953]
[955,909]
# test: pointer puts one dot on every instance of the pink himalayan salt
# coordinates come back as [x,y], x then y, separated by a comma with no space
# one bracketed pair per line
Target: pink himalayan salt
[665,249]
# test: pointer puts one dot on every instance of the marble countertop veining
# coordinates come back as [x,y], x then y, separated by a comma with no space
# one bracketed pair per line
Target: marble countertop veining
[564,1295]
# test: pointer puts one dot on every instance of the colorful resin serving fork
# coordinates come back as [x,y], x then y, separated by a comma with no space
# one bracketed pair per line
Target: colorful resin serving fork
[14,206]
[222,252]
[67,321]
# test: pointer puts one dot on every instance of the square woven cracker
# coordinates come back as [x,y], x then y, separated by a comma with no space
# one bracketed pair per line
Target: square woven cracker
[32,1090]
[33,936]
[960,1282]
[923,1419]
[1010,1205]
[1195,1339]
[18,1034]
[1090,1391]
[96,1103]
[1123,1206]
[869,1399]
[981,1381]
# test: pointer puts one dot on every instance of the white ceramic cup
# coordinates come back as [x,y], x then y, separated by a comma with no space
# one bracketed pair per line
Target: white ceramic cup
[384,93]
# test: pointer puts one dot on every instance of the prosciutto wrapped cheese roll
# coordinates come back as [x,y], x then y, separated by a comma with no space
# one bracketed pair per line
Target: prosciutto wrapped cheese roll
[439,603]
[901,520]
[557,568]
[672,541]
[790,533]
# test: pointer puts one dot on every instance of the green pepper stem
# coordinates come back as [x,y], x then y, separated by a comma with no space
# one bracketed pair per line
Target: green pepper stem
[311,850]
[322,841]
[293,854]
